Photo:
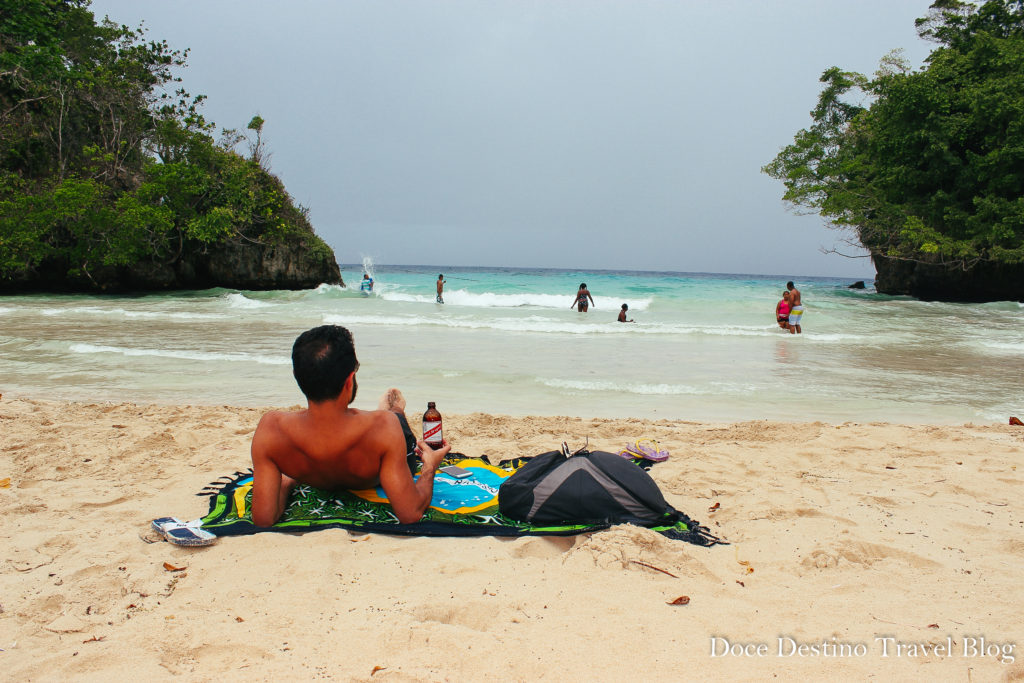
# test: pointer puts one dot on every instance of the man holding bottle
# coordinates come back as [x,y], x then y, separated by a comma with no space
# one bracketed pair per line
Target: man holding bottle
[332,446]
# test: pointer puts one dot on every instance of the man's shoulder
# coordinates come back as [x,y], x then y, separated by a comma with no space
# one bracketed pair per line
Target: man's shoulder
[379,418]
[382,427]
[364,421]
[274,419]
[271,428]
[281,428]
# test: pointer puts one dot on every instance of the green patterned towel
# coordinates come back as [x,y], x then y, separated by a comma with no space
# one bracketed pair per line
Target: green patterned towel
[459,507]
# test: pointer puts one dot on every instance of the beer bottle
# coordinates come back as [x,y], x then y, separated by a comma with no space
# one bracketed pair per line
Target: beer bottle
[432,427]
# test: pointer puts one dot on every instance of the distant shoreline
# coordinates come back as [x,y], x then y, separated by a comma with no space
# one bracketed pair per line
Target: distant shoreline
[399,267]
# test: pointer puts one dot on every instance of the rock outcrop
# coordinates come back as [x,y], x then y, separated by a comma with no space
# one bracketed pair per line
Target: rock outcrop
[299,263]
[290,265]
[935,282]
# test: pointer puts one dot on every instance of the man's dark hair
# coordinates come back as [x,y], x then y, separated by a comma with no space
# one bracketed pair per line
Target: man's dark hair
[322,359]
[789,285]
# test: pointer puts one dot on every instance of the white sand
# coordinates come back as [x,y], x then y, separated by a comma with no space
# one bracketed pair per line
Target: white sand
[856,532]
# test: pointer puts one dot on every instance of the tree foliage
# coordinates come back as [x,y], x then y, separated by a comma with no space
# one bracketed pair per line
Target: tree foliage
[924,165]
[105,161]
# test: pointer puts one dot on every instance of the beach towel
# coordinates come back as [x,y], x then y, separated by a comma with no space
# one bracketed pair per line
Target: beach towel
[466,506]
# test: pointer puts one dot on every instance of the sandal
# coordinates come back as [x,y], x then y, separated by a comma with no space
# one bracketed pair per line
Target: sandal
[648,449]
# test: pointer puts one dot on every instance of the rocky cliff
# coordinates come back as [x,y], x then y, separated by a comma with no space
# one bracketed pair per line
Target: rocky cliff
[984,282]
[299,263]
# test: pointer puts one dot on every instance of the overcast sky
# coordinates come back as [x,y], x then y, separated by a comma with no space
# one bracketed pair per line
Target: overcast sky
[536,133]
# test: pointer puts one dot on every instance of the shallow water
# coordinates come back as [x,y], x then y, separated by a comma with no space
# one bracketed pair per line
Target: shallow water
[506,341]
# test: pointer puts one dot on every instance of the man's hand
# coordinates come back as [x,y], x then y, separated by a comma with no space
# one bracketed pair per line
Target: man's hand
[432,458]
[409,499]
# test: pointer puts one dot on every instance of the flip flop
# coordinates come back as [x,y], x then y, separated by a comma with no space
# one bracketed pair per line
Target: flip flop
[159,523]
[188,534]
[648,449]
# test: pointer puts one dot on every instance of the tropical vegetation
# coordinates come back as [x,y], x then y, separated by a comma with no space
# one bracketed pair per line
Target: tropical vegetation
[925,166]
[107,163]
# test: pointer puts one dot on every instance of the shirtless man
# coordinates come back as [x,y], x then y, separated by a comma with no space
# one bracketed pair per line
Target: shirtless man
[331,446]
[440,288]
[796,308]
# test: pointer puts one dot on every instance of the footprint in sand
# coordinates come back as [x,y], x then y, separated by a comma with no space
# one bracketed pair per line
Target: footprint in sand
[478,615]
[540,547]
[866,554]
[820,559]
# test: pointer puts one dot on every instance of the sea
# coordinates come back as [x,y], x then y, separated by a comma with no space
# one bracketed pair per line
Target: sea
[703,347]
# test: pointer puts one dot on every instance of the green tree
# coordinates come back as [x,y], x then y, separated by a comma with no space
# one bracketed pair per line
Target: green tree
[930,168]
[106,163]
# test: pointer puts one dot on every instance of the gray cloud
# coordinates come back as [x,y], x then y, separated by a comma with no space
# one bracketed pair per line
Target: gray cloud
[576,134]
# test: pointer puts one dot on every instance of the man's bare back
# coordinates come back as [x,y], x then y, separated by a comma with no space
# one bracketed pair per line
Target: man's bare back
[331,446]
[341,453]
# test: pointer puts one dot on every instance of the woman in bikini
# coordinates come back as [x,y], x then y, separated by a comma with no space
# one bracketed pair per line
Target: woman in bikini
[581,299]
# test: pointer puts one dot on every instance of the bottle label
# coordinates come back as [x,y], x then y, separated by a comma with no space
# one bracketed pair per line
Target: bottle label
[432,432]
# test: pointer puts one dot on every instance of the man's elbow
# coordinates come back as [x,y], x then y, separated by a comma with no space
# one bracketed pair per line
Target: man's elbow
[263,519]
[408,517]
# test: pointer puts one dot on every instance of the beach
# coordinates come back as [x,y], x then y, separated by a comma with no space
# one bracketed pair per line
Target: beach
[856,550]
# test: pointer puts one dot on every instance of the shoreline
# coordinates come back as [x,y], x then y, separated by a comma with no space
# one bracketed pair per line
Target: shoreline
[855,533]
[512,345]
[694,416]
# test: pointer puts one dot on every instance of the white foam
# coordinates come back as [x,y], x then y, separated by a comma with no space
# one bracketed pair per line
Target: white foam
[50,312]
[574,325]
[526,324]
[176,315]
[368,266]
[325,288]
[179,354]
[238,300]
[617,387]
[124,313]
[461,297]
[1006,347]
[402,297]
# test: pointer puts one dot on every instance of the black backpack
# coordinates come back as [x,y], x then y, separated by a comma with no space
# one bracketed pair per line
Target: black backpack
[589,488]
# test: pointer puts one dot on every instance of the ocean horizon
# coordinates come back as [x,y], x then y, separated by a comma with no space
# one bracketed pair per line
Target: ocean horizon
[705,346]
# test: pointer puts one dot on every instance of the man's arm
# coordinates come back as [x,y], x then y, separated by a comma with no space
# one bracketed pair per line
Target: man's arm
[270,488]
[409,498]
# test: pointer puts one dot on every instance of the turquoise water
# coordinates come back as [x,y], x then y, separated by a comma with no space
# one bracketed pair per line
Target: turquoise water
[703,347]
